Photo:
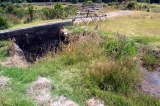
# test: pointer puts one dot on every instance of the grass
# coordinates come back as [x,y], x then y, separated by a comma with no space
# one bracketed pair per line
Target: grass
[135,24]
[3,51]
[88,68]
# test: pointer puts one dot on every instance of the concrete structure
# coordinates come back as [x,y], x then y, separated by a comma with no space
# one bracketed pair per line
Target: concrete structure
[37,40]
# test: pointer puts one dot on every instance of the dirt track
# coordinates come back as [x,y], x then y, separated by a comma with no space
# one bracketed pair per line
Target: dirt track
[108,15]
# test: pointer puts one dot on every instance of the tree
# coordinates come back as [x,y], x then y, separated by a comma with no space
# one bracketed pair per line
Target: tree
[74,1]
[31,12]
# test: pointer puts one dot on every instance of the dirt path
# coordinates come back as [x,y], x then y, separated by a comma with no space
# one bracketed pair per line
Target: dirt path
[118,13]
[108,15]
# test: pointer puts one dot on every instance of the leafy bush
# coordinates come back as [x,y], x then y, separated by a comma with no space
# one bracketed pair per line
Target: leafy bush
[49,13]
[10,8]
[70,10]
[31,12]
[3,49]
[112,3]
[3,5]
[20,12]
[74,1]
[59,10]
[120,46]
[89,2]
[131,5]
[1,11]
[3,23]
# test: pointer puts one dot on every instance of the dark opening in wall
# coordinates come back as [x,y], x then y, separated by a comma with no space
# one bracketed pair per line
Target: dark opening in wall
[38,40]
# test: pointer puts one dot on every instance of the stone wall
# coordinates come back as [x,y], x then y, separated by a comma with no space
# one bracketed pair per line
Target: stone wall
[35,41]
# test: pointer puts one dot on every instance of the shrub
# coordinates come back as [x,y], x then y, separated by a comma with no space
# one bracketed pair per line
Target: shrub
[1,11]
[10,8]
[20,12]
[49,13]
[17,5]
[13,19]
[120,76]
[31,12]
[120,46]
[70,10]
[3,49]
[74,1]
[89,2]
[131,5]
[112,3]
[3,23]
[59,10]
[4,4]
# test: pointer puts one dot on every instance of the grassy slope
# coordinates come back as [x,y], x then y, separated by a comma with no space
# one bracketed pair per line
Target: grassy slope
[70,70]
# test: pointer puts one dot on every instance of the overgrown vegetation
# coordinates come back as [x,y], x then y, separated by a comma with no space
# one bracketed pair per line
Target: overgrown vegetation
[82,71]
[120,46]
[150,58]
[13,14]
[102,64]
[3,23]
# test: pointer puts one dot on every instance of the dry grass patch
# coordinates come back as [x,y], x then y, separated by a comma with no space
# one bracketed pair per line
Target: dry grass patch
[137,23]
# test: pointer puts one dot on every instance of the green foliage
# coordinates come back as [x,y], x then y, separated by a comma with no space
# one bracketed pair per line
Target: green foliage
[3,23]
[120,46]
[1,11]
[3,5]
[97,1]
[131,5]
[58,10]
[119,76]
[78,30]
[10,8]
[150,59]
[20,13]
[3,49]
[70,10]
[31,12]
[146,39]
[88,2]
[74,1]
[49,13]
[11,98]
[112,3]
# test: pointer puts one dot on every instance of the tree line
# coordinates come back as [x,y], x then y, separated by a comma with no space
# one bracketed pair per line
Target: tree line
[75,1]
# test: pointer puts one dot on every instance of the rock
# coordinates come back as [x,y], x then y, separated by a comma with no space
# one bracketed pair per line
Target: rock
[63,101]
[40,91]
[157,52]
[16,61]
[3,82]
[95,102]
[16,58]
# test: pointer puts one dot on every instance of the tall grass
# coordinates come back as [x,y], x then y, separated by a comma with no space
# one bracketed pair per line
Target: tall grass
[119,76]
[81,71]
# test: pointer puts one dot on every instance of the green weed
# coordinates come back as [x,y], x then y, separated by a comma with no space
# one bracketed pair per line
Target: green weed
[120,46]
[3,49]
[111,75]
[146,39]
